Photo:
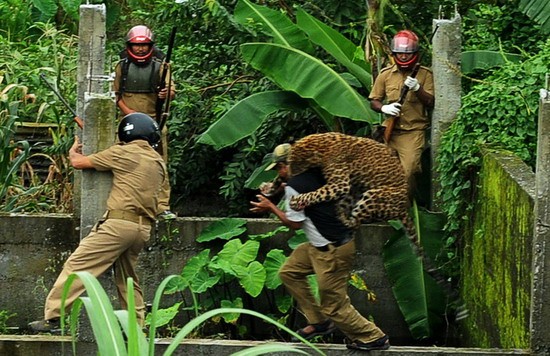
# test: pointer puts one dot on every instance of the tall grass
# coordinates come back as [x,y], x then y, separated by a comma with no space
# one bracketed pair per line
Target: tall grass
[109,325]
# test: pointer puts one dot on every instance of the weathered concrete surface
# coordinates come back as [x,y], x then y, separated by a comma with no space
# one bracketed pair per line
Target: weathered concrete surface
[33,249]
[496,263]
[447,46]
[98,134]
[52,346]
[540,306]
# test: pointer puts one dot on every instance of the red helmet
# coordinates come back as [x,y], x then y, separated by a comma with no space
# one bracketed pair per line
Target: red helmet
[140,35]
[405,41]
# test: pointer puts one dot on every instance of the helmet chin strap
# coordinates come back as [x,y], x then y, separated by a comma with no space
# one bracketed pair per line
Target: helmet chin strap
[407,64]
[140,59]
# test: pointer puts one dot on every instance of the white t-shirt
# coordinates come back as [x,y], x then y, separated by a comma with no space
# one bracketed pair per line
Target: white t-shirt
[313,235]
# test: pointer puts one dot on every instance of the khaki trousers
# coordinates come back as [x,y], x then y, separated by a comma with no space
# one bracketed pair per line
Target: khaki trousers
[114,242]
[332,269]
[409,146]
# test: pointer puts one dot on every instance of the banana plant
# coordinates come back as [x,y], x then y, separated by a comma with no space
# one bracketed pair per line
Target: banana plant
[421,300]
[539,11]
[306,81]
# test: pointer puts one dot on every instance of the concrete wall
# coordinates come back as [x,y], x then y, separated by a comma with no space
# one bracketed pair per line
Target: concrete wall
[496,271]
[33,249]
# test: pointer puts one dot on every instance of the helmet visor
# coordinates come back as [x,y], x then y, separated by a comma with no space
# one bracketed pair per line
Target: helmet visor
[403,44]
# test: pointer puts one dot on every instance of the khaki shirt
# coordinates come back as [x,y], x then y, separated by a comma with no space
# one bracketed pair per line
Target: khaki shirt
[140,102]
[387,88]
[138,173]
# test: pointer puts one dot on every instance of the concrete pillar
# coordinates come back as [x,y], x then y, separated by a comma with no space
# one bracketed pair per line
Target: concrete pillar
[91,53]
[446,51]
[91,62]
[540,292]
[97,109]
[99,133]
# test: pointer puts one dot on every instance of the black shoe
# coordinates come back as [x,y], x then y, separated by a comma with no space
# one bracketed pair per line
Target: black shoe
[46,326]
[319,329]
[381,344]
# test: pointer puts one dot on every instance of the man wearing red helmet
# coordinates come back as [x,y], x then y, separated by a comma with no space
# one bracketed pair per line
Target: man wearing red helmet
[137,81]
[411,117]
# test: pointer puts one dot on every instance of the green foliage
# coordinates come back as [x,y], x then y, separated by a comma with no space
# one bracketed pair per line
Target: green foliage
[499,112]
[109,325]
[4,317]
[539,11]
[500,27]
[12,156]
[420,298]
[235,268]
[17,15]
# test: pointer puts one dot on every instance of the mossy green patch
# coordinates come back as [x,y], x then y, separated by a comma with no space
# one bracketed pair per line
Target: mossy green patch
[496,271]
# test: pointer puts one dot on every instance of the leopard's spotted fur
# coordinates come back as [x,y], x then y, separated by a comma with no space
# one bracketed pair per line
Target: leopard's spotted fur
[363,176]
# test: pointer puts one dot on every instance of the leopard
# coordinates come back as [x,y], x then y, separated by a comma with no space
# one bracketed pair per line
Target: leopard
[364,177]
[366,181]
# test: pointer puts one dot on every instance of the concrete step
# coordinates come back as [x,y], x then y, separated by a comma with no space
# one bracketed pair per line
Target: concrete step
[25,345]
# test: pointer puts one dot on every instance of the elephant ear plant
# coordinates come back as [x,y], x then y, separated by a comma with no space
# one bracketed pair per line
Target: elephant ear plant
[224,278]
[239,274]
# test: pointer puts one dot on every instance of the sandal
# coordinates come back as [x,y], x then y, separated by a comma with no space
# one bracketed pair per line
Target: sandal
[381,344]
[318,329]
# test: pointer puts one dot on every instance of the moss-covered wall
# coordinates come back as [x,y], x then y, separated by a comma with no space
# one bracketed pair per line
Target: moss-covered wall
[496,271]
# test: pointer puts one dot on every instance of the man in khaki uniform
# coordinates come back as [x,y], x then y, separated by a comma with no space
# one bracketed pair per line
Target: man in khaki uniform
[408,136]
[136,84]
[329,254]
[117,239]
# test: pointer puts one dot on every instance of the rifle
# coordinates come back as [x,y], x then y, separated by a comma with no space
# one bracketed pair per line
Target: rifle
[161,112]
[391,123]
[404,91]
[76,119]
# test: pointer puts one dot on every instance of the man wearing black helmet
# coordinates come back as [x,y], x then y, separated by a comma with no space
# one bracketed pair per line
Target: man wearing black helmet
[137,82]
[408,135]
[117,239]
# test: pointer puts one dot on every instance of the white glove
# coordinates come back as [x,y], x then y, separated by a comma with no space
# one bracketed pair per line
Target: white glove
[544,94]
[392,109]
[412,83]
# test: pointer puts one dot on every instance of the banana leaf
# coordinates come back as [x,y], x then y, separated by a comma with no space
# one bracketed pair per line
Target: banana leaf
[539,11]
[274,23]
[247,115]
[338,46]
[297,71]
[472,60]
[420,299]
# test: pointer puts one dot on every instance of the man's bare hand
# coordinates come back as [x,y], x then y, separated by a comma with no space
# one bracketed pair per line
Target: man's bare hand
[263,205]
[77,146]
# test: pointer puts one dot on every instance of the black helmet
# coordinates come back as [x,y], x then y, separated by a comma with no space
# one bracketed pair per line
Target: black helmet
[138,126]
